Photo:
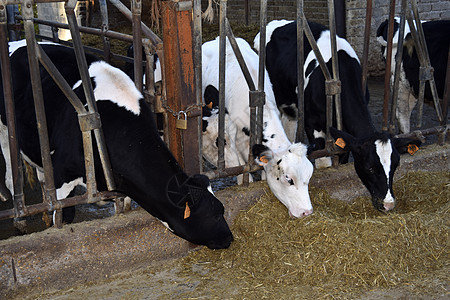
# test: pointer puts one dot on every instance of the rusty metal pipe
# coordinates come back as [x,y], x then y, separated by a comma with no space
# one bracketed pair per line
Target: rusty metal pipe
[222,70]
[387,75]
[365,57]
[16,166]
[398,64]
[136,9]
[300,134]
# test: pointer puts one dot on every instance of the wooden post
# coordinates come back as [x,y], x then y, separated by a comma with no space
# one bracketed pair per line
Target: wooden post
[180,82]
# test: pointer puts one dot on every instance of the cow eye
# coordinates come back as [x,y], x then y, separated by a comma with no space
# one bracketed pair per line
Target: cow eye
[289,180]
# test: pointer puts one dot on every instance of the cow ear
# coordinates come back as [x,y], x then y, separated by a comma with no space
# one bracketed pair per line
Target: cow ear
[404,145]
[201,180]
[342,139]
[262,154]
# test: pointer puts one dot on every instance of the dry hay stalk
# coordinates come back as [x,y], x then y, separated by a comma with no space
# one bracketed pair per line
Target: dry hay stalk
[341,247]
[208,14]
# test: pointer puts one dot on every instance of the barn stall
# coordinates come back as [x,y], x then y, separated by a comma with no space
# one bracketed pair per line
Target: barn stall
[251,275]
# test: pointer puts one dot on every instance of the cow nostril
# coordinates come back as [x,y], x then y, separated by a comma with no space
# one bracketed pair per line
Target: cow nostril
[307,212]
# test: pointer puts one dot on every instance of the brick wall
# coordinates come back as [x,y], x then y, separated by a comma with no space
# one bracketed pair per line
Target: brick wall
[317,10]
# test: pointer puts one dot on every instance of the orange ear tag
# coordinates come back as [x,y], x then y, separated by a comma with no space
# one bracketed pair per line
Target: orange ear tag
[340,142]
[187,211]
[412,149]
[209,105]
[264,159]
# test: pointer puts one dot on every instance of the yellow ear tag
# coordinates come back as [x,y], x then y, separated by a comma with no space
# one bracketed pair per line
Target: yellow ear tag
[412,149]
[264,159]
[187,211]
[340,142]
[209,105]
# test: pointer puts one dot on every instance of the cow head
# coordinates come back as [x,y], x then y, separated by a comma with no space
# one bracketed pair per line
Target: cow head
[375,159]
[199,217]
[288,174]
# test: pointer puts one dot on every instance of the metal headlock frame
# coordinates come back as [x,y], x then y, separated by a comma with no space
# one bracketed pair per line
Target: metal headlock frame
[332,84]
[425,71]
[89,120]
[257,97]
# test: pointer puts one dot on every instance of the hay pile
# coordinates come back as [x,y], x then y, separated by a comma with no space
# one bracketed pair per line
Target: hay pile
[341,248]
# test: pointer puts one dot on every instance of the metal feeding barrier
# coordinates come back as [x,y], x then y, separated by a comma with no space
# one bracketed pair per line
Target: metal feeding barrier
[89,119]
[411,15]
[182,24]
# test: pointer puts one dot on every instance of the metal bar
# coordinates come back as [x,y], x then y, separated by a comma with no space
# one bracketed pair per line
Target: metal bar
[446,98]
[145,30]
[422,53]
[398,64]
[67,202]
[365,57]
[91,184]
[261,74]
[59,80]
[335,63]
[197,41]
[49,190]
[315,48]
[387,75]
[95,31]
[427,60]
[136,9]
[16,166]
[105,28]
[300,133]
[239,57]
[222,70]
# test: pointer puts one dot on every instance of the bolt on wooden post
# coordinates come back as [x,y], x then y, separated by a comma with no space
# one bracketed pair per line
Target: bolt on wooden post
[180,83]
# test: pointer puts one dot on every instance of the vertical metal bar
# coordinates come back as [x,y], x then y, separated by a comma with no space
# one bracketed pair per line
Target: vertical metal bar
[136,9]
[247,11]
[335,62]
[387,75]
[91,184]
[300,133]
[197,41]
[222,70]
[398,64]
[423,43]
[49,191]
[262,69]
[365,57]
[17,175]
[446,98]
[105,28]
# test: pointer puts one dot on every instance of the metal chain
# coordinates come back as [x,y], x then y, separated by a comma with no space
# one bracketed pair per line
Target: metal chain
[190,108]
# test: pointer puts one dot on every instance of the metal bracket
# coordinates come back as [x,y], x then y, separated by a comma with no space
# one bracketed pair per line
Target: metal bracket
[257,98]
[332,87]
[2,12]
[183,6]
[89,121]
[426,73]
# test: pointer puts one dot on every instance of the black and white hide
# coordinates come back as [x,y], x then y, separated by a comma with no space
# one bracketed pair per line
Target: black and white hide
[376,155]
[143,167]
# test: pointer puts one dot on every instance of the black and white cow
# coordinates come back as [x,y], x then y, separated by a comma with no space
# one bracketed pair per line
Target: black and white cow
[376,155]
[288,170]
[437,37]
[143,167]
